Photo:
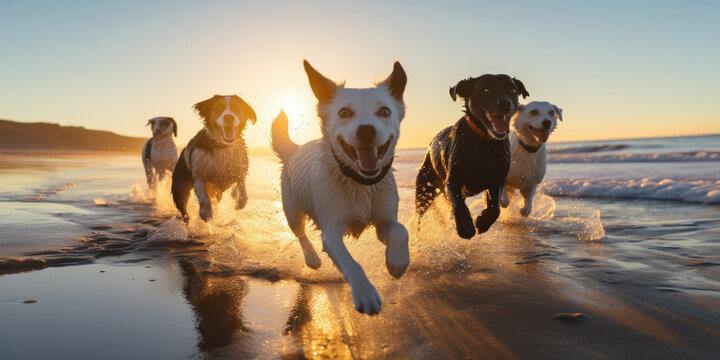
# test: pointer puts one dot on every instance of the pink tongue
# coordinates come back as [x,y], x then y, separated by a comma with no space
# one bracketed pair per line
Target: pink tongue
[499,124]
[541,135]
[368,157]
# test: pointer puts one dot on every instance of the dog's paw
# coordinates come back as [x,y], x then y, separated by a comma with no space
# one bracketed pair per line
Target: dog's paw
[465,228]
[525,211]
[397,255]
[504,200]
[240,203]
[312,260]
[206,212]
[486,219]
[366,297]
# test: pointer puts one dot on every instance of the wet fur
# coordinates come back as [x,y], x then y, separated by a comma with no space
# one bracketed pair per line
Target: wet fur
[209,165]
[461,163]
[314,187]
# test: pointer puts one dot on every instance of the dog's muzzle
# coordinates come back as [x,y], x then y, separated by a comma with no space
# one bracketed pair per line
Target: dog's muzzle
[367,158]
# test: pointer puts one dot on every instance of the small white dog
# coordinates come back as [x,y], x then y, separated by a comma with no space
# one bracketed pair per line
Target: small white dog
[159,154]
[343,182]
[532,125]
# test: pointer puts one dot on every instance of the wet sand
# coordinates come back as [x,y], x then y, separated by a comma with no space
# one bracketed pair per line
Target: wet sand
[132,282]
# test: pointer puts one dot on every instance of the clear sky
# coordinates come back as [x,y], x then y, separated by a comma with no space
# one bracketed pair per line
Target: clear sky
[619,69]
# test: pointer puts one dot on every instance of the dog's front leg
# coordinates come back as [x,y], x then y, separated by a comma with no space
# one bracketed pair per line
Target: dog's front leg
[505,199]
[366,298]
[397,254]
[492,211]
[206,212]
[528,194]
[239,193]
[463,219]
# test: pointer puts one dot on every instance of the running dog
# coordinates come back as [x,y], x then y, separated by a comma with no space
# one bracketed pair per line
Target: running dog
[531,126]
[343,182]
[159,154]
[472,156]
[216,158]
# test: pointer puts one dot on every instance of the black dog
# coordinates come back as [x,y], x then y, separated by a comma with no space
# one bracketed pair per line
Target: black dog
[473,155]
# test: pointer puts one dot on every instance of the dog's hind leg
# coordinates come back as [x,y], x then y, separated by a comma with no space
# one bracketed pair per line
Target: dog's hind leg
[296,220]
[505,197]
[426,187]
[366,297]
[397,254]
[491,213]
[181,184]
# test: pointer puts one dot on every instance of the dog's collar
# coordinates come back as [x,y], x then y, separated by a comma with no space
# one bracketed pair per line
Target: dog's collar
[528,148]
[483,134]
[351,173]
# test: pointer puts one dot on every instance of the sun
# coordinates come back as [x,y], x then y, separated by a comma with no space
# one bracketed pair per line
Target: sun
[301,115]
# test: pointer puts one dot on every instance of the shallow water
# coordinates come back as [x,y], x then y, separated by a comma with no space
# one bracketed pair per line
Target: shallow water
[646,269]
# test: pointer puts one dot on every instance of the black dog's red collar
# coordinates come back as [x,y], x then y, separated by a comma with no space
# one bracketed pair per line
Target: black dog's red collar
[483,134]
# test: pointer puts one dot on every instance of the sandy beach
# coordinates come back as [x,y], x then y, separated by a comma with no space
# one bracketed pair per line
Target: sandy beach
[115,275]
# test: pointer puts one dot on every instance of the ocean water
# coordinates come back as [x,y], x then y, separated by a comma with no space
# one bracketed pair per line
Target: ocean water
[643,215]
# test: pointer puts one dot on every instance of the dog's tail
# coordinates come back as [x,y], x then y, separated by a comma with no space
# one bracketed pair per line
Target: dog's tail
[281,143]
[181,184]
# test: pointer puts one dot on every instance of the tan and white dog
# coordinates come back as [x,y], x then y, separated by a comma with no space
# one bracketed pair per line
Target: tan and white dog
[343,181]
[532,125]
[216,158]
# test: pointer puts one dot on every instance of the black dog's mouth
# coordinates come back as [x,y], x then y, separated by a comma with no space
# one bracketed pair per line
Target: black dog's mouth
[367,158]
[497,124]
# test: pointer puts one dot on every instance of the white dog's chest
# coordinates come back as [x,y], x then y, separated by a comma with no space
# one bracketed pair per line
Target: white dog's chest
[526,169]
[163,155]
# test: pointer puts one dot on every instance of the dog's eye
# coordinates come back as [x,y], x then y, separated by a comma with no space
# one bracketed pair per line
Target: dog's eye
[512,91]
[534,112]
[552,113]
[383,112]
[486,91]
[345,113]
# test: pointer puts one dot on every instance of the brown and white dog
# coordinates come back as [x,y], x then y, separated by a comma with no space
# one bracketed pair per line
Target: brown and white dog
[159,154]
[216,158]
[532,125]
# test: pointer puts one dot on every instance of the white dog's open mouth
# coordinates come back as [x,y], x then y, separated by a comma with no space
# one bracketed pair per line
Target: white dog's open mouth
[541,135]
[228,133]
[366,157]
[499,123]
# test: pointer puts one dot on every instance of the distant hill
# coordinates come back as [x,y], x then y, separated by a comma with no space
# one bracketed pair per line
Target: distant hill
[17,135]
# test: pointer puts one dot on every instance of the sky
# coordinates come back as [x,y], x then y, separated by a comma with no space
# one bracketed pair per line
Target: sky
[619,69]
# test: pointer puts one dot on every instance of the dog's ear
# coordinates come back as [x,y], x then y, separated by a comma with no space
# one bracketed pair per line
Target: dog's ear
[558,111]
[396,81]
[463,89]
[322,87]
[521,88]
[174,126]
[205,107]
[247,110]
[149,122]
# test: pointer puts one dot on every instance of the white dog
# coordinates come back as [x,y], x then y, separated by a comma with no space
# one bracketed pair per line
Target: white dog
[159,154]
[343,181]
[532,125]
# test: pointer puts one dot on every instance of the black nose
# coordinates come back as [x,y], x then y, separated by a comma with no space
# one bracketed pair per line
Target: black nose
[366,133]
[546,124]
[228,118]
[504,106]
